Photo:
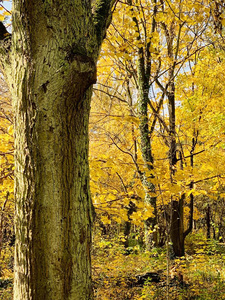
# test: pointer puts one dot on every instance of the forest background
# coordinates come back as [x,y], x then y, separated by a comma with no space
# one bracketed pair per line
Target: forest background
[156,155]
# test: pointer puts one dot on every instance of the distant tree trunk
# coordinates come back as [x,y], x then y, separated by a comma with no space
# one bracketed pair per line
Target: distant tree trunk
[190,225]
[191,206]
[2,221]
[177,206]
[208,222]
[146,150]
[177,227]
[144,72]
[127,227]
[50,69]
[131,208]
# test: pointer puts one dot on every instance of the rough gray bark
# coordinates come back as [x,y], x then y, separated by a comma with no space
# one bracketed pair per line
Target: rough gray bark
[50,68]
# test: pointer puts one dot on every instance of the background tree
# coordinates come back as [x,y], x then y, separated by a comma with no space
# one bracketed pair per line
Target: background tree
[151,45]
[6,182]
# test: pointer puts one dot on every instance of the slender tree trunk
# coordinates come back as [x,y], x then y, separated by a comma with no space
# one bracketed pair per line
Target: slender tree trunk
[50,69]
[144,72]
[208,222]
[146,150]
[2,221]
[177,206]
[190,221]
[177,227]
[191,206]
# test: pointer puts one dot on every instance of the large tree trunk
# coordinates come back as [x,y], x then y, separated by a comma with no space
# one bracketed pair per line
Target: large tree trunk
[53,212]
[53,61]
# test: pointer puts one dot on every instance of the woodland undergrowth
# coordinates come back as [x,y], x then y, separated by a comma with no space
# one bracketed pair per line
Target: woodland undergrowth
[199,275]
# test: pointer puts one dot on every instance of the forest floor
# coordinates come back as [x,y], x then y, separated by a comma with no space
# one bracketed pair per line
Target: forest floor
[135,274]
[199,275]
